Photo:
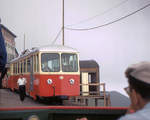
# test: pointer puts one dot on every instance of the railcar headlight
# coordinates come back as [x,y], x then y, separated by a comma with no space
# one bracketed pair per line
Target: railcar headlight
[49,81]
[61,77]
[72,81]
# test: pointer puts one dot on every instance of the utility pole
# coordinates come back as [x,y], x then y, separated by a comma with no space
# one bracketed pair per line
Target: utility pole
[63,42]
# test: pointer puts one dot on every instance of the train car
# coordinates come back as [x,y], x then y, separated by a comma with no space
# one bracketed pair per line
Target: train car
[51,71]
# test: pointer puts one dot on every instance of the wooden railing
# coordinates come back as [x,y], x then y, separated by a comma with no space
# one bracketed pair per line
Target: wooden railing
[99,94]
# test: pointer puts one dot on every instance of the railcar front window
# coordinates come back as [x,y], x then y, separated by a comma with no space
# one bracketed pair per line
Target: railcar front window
[50,62]
[69,62]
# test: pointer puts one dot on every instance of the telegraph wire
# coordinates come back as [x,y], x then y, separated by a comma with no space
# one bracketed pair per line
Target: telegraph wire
[100,14]
[109,23]
[53,42]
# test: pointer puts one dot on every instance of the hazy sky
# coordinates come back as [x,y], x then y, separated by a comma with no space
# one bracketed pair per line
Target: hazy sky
[114,46]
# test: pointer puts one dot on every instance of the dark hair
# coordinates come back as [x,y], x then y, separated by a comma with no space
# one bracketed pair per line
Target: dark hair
[140,87]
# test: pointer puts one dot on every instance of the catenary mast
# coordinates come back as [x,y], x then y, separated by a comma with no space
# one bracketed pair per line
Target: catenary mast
[63,43]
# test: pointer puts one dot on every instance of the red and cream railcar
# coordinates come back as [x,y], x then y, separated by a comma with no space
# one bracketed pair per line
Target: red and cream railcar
[51,71]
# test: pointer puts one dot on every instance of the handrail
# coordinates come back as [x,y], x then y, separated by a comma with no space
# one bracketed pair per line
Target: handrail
[98,92]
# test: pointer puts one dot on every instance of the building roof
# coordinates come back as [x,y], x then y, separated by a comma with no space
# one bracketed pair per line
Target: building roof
[88,64]
[8,30]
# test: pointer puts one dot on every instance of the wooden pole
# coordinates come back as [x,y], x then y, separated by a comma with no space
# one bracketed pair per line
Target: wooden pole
[63,42]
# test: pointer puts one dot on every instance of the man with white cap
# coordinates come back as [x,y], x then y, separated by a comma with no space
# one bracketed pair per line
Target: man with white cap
[139,91]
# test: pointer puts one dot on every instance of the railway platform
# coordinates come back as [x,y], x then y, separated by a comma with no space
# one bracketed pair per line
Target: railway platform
[11,99]
[11,108]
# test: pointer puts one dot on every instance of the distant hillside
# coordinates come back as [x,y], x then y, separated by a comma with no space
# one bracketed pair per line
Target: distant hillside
[119,100]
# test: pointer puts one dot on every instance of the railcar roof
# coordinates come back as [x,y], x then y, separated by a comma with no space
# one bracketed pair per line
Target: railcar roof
[48,48]
[57,48]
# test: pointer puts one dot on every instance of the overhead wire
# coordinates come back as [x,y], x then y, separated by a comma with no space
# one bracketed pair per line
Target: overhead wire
[53,42]
[100,14]
[109,23]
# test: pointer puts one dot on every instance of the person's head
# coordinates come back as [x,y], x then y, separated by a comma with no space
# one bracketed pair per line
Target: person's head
[45,64]
[21,75]
[139,83]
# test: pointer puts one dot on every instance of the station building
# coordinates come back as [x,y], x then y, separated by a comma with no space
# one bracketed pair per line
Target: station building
[9,39]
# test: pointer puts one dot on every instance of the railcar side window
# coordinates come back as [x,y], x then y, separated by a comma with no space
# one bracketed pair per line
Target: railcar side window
[69,62]
[28,65]
[18,67]
[13,68]
[21,67]
[37,58]
[25,66]
[50,62]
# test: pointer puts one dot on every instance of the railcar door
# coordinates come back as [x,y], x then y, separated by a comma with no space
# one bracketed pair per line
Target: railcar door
[31,73]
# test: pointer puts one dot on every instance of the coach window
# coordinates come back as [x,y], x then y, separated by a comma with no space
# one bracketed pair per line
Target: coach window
[69,62]
[13,68]
[21,67]
[24,65]
[13,65]
[28,65]
[18,67]
[37,61]
[50,62]
[34,63]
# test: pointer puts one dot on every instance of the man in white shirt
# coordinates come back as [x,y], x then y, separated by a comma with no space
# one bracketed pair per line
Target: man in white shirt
[22,89]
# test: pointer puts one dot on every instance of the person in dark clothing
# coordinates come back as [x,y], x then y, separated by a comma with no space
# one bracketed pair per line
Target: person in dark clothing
[3,57]
[3,73]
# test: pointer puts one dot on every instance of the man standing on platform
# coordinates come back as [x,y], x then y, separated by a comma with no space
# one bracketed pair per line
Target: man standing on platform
[22,88]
